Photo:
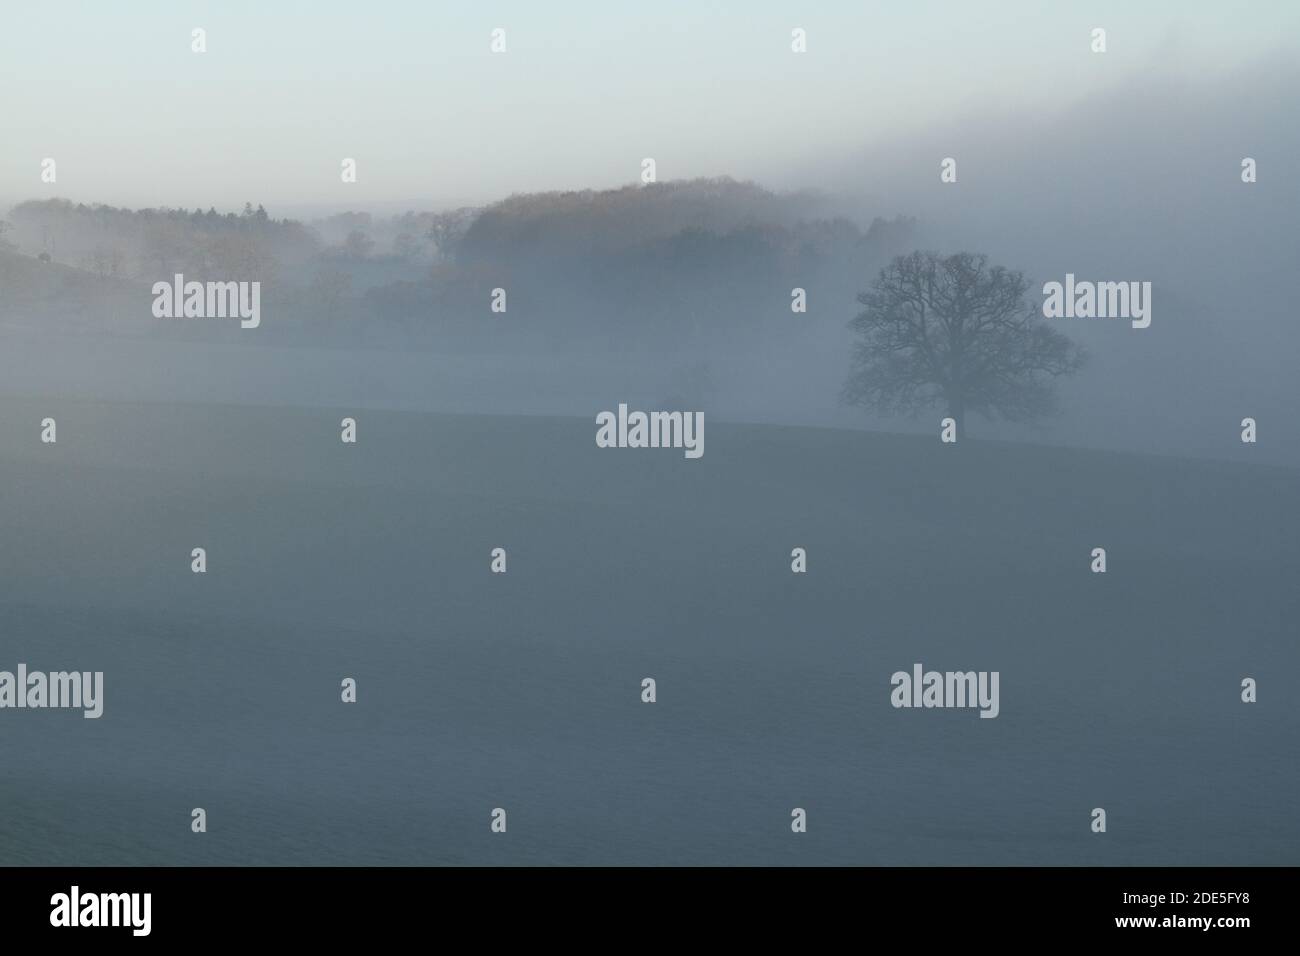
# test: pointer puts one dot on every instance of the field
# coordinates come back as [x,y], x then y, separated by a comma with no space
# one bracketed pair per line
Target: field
[522,690]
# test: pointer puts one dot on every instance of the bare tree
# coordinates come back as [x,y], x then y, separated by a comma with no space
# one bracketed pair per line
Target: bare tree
[957,332]
[357,245]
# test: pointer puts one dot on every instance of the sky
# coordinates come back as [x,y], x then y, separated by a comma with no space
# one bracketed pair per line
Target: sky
[584,91]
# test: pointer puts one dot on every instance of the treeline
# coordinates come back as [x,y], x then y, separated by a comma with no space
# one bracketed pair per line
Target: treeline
[151,243]
[660,266]
[664,266]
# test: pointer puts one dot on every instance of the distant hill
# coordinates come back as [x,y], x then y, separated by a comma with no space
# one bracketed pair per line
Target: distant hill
[668,266]
[45,294]
[597,222]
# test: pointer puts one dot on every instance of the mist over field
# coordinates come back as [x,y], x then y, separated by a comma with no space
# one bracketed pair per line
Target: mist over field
[682,289]
[776,172]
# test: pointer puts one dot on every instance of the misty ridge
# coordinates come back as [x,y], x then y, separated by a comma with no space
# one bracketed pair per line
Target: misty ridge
[667,267]
[681,290]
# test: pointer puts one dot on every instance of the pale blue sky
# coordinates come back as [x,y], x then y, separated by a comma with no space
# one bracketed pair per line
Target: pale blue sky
[410,89]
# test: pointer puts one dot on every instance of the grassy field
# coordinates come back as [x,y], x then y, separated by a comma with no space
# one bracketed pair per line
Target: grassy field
[480,690]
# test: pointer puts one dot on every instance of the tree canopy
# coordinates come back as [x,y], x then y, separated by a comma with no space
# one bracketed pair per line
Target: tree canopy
[957,332]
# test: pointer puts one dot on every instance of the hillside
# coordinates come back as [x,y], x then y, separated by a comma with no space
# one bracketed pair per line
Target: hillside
[478,690]
[668,267]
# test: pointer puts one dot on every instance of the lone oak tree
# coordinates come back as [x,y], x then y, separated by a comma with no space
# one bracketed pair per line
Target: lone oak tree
[955,331]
